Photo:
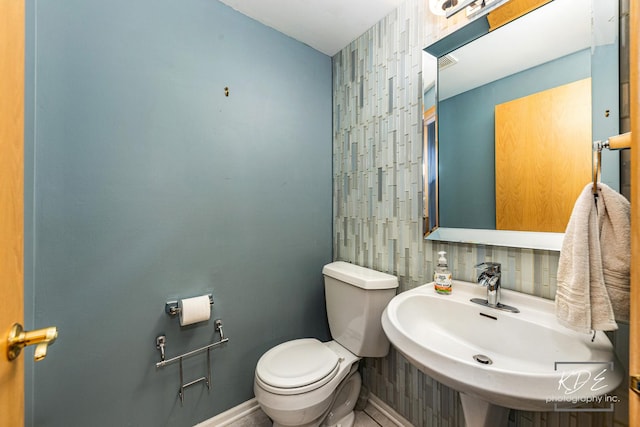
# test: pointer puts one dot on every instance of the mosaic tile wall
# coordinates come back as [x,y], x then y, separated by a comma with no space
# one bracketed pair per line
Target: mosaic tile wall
[377,191]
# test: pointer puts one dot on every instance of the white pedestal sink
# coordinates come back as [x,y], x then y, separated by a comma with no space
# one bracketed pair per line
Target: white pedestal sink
[497,359]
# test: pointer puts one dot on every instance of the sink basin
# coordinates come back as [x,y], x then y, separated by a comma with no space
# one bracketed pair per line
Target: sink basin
[524,360]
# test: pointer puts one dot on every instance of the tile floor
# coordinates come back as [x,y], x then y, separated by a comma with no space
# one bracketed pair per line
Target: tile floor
[370,417]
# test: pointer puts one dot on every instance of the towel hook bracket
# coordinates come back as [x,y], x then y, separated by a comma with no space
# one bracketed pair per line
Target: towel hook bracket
[618,142]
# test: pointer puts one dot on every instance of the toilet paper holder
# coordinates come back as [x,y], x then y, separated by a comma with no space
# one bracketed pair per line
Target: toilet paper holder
[172,308]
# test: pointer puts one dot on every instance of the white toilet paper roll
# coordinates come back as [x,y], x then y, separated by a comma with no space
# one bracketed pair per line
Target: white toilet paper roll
[194,310]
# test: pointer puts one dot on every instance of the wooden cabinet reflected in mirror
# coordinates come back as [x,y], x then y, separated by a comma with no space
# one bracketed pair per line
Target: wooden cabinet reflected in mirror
[543,163]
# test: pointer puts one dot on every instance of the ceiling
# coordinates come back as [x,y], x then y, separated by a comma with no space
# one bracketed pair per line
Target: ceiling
[325,25]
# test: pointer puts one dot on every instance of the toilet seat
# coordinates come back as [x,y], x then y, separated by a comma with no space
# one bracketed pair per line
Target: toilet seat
[296,367]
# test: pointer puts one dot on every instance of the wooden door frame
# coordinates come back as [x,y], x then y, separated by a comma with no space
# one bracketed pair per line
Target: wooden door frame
[634,103]
[12,41]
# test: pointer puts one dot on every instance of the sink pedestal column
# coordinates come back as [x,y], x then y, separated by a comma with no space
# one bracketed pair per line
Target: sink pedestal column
[480,413]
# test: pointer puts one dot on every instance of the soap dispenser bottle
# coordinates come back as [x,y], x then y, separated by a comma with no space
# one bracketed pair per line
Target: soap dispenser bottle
[442,276]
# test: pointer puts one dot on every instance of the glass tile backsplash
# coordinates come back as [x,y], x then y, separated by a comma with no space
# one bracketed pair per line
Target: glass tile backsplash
[377,149]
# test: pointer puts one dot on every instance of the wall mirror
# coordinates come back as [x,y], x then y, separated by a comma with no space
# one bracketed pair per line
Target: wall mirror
[502,104]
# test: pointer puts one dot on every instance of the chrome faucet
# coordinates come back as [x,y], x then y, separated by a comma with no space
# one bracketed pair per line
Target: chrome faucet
[490,277]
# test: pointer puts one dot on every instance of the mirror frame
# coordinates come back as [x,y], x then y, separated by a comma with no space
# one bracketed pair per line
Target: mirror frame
[476,28]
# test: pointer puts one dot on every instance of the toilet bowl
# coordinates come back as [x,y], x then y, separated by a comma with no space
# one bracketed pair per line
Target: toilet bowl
[297,383]
[308,383]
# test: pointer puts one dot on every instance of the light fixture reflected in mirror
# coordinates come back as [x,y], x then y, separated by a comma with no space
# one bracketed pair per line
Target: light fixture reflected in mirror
[437,7]
[449,8]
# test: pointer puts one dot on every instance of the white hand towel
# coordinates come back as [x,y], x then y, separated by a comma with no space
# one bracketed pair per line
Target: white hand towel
[594,263]
[614,215]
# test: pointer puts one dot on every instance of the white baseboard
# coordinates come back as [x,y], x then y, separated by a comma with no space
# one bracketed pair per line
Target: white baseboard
[246,408]
[388,411]
[231,415]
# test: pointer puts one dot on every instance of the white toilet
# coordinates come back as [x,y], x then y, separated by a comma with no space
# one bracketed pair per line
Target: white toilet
[309,383]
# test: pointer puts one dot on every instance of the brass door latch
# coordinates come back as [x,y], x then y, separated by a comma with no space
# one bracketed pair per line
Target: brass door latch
[19,338]
[634,383]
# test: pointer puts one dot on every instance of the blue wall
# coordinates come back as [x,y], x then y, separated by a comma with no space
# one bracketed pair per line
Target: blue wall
[146,183]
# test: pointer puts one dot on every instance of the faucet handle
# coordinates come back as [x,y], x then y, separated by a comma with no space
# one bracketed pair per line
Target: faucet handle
[489,267]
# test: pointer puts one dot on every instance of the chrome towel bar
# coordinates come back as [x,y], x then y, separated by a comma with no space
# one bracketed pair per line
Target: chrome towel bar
[160,345]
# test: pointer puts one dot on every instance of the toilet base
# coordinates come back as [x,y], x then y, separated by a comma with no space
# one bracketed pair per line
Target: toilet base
[340,413]
[346,421]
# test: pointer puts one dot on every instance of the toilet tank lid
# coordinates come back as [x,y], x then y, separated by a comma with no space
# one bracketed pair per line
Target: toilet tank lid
[360,276]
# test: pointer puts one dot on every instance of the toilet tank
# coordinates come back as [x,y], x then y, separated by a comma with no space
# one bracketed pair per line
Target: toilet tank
[355,299]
